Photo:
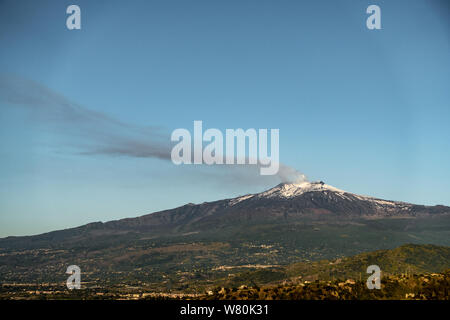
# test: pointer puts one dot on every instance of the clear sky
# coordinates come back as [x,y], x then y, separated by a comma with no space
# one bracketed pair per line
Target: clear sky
[364,110]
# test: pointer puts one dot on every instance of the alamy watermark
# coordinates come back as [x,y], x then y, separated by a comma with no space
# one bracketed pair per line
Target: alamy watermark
[373,22]
[374,281]
[74,280]
[73,21]
[190,150]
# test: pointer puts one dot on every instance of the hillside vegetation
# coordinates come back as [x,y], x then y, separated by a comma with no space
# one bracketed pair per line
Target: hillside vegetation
[417,287]
[409,259]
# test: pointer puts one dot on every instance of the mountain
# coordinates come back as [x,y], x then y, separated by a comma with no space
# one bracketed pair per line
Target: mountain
[284,202]
[288,223]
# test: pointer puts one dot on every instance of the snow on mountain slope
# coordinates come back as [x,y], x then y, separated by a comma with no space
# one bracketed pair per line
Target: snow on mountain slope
[288,190]
[292,190]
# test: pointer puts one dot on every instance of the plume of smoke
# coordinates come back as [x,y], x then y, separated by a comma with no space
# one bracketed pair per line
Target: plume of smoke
[100,133]
[105,135]
[290,175]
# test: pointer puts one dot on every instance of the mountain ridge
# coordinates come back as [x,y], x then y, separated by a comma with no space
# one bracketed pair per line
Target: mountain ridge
[304,200]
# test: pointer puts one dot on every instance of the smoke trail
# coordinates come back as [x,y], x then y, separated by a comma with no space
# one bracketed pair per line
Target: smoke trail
[102,134]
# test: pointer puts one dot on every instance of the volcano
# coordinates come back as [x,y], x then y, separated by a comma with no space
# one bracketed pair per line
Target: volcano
[286,202]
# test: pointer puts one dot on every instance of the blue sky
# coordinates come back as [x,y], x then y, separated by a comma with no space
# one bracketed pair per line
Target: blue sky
[365,111]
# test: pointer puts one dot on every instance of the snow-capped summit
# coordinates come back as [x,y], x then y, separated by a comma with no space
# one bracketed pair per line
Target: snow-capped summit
[320,195]
[288,190]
